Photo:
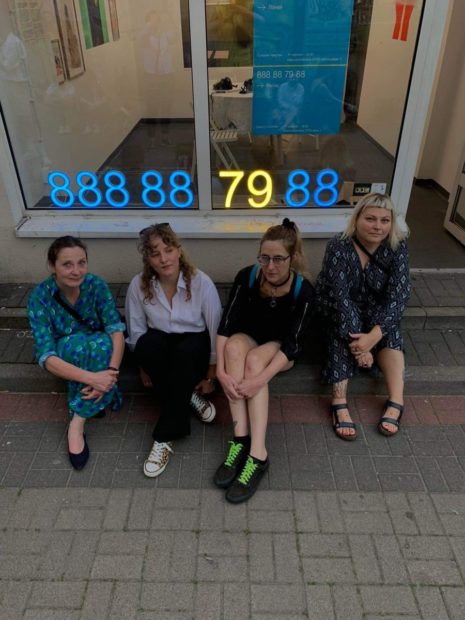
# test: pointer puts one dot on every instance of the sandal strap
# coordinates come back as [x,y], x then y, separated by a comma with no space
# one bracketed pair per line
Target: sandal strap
[391,403]
[395,421]
[335,408]
[345,425]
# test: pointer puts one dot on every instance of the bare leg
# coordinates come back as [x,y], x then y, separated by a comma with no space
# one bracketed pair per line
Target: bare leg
[75,434]
[340,397]
[392,364]
[258,359]
[235,354]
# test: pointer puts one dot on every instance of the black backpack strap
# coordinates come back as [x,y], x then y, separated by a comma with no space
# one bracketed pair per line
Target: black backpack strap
[369,254]
[253,275]
[74,313]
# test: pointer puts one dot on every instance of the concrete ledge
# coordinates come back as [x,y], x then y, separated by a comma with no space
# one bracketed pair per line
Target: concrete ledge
[302,379]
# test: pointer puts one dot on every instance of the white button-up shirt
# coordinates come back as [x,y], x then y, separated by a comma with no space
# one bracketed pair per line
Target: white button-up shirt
[202,311]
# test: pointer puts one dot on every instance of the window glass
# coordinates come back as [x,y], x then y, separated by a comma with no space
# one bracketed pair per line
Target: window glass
[97,102]
[315,119]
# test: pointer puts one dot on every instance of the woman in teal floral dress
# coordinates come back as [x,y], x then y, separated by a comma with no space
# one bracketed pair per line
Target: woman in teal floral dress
[79,337]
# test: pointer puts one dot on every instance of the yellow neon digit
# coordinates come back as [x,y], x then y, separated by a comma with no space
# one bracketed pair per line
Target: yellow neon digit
[237,176]
[266,191]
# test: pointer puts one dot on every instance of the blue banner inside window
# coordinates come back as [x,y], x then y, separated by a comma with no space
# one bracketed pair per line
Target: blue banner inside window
[300,61]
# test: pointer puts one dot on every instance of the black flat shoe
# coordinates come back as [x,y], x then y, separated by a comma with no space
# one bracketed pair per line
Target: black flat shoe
[78,461]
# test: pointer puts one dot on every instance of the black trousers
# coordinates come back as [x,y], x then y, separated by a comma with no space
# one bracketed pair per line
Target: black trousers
[175,363]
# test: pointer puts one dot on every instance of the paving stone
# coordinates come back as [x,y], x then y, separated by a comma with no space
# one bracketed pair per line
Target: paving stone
[125,601]
[277,598]
[454,599]
[19,566]
[367,523]
[140,512]
[66,595]
[453,474]
[328,570]
[430,603]
[364,559]
[53,561]
[434,572]
[117,509]
[390,559]
[261,557]
[118,543]
[344,475]
[81,557]
[117,567]
[271,521]
[425,514]
[212,510]
[223,543]
[50,614]
[324,545]
[388,600]
[97,600]
[367,479]
[222,568]
[329,512]
[80,519]
[235,517]
[287,559]
[181,519]
[162,596]
[18,468]
[236,601]
[319,602]
[14,598]
[171,554]
[347,603]
[208,601]
[431,474]
[426,547]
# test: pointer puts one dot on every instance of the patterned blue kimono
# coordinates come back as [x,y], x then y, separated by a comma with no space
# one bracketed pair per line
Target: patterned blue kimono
[353,300]
[56,332]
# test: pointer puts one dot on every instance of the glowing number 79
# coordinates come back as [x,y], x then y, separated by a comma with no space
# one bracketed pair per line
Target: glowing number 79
[237,176]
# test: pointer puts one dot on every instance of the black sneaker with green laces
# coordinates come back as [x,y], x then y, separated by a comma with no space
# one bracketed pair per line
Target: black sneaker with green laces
[247,482]
[228,471]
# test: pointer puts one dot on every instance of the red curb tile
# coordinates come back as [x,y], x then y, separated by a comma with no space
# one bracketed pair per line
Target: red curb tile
[298,409]
[9,403]
[445,404]
[451,417]
[275,414]
[368,409]
[410,417]
[424,410]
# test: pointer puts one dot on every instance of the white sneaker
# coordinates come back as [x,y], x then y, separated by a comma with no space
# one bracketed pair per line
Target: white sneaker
[158,459]
[204,409]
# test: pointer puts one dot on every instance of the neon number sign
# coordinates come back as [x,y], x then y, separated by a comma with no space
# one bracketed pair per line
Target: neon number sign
[157,191]
[298,193]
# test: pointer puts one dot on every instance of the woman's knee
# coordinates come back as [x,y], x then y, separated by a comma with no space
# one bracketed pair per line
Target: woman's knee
[254,363]
[235,349]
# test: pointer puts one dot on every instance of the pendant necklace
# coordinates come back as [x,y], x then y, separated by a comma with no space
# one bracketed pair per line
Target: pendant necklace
[273,302]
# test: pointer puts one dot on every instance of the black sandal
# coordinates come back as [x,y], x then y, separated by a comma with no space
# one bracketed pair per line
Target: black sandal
[395,421]
[337,424]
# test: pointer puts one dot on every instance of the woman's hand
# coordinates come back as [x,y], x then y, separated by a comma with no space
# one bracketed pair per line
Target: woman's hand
[229,386]
[206,386]
[103,380]
[146,380]
[363,343]
[364,360]
[249,387]
[90,393]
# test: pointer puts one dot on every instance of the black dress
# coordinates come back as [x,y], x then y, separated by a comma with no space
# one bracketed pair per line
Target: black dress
[285,321]
[351,299]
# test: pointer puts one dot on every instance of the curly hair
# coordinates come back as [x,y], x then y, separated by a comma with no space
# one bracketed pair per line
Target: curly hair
[381,201]
[288,234]
[169,238]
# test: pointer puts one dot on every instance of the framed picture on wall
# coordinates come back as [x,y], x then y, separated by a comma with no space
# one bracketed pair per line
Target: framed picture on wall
[69,37]
[58,60]
[94,22]
[114,19]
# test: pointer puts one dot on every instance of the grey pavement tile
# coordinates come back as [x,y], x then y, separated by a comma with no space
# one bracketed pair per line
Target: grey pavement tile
[453,473]
[261,557]
[279,599]
[425,514]
[454,599]
[363,553]
[295,439]
[367,479]
[347,603]
[102,475]
[51,614]
[279,473]
[208,601]
[97,600]
[117,567]
[434,572]
[191,471]
[117,509]
[163,597]
[271,521]
[65,595]
[328,570]
[19,443]
[391,562]
[385,599]
[125,600]
[46,478]
[344,475]
[395,465]
[329,513]
[401,482]
[431,474]
[133,437]
[132,478]
[426,547]
[319,602]
[312,481]
[431,603]
[315,439]
[287,558]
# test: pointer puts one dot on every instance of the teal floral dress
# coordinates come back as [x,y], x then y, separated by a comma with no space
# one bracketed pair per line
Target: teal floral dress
[87,346]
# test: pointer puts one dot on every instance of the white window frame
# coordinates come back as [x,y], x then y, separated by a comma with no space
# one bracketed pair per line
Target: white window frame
[239,223]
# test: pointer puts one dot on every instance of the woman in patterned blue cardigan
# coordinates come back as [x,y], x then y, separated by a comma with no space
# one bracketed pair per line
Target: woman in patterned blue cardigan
[79,337]
[362,292]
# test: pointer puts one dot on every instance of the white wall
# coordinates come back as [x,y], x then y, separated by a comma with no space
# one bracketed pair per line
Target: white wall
[385,79]
[445,134]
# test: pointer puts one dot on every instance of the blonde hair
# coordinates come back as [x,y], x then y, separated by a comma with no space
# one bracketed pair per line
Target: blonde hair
[288,234]
[169,238]
[380,201]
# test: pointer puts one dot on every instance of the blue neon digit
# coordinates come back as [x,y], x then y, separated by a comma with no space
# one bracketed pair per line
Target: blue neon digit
[326,187]
[150,187]
[181,188]
[118,187]
[64,188]
[298,187]
[87,187]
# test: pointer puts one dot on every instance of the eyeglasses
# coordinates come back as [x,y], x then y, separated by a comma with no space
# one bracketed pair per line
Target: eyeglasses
[154,228]
[264,259]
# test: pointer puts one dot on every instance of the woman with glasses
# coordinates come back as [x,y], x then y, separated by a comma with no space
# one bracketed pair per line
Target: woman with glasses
[260,334]
[362,292]
[79,337]
[172,314]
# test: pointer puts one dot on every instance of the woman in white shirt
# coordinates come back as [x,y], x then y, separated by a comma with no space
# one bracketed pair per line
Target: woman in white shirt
[172,315]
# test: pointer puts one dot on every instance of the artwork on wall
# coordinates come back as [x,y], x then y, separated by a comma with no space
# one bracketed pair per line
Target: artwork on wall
[58,61]
[69,37]
[114,19]
[94,22]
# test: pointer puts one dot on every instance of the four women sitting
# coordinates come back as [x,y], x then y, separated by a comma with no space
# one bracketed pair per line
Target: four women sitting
[173,320]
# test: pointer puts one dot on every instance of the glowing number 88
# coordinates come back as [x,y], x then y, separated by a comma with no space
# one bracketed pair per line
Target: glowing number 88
[299,180]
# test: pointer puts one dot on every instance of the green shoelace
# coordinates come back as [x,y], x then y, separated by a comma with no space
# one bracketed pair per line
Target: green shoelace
[234,451]
[248,471]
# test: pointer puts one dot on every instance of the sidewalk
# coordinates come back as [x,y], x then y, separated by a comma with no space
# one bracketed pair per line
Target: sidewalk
[368,530]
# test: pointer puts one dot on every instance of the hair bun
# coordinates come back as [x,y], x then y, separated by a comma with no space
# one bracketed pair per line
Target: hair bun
[288,224]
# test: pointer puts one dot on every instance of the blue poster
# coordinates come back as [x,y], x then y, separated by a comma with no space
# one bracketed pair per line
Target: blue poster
[300,62]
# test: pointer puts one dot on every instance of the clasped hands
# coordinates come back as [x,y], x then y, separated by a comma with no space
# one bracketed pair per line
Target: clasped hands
[237,390]
[101,382]
[362,344]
